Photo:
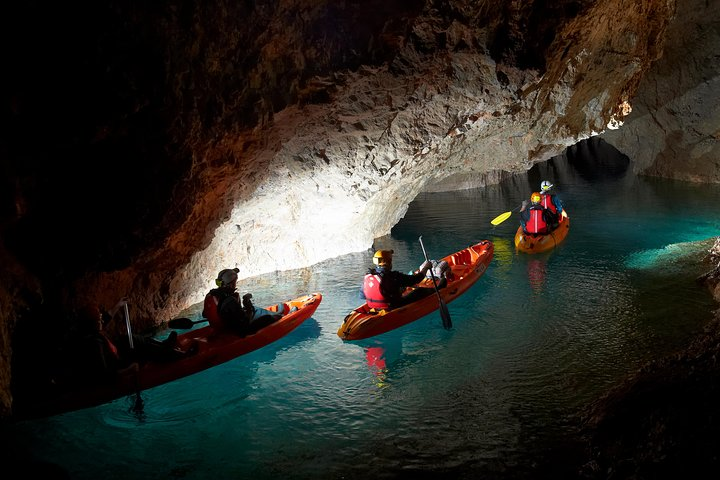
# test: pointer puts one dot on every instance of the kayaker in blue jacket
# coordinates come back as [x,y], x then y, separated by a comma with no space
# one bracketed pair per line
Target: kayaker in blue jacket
[552,203]
[383,287]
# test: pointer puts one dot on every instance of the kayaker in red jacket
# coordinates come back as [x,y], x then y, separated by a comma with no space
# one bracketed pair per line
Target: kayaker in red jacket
[94,356]
[383,287]
[536,218]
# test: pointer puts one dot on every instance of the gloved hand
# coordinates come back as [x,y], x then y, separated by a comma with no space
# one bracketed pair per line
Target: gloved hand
[426,265]
[120,304]
[247,304]
[524,205]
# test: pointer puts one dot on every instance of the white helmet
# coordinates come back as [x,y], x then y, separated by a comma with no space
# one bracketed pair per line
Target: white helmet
[545,186]
[226,277]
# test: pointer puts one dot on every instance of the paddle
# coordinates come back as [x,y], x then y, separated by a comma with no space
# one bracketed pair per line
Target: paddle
[139,404]
[503,216]
[127,326]
[184,323]
[444,314]
[500,218]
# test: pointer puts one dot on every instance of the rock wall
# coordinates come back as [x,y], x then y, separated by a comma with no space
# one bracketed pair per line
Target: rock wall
[674,127]
[443,107]
[662,421]
[151,145]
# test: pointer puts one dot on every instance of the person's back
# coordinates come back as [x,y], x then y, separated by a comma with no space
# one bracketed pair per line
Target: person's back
[220,300]
[383,287]
[91,356]
[552,203]
[534,220]
[224,311]
[97,358]
[538,222]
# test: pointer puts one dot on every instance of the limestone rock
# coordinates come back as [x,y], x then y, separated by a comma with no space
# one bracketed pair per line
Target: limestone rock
[150,147]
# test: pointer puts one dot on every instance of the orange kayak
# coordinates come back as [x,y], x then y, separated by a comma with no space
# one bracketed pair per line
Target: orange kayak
[467,266]
[538,242]
[208,346]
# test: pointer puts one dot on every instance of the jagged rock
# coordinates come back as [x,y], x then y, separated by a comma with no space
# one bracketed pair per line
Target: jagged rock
[178,141]
[674,127]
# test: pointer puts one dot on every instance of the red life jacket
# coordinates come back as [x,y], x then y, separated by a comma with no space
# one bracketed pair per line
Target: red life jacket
[111,346]
[537,223]
[371,290]
[546,201]
[210,310]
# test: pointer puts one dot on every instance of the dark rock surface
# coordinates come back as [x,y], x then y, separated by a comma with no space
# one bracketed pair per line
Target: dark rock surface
[663,422]
[130,137]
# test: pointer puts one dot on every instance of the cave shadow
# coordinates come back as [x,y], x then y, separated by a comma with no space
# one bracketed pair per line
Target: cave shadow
[595,160]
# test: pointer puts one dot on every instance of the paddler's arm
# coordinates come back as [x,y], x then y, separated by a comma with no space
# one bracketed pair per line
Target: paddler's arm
[419,274]
[108,316]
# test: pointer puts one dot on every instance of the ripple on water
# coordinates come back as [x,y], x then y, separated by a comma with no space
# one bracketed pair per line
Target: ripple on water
[533,341]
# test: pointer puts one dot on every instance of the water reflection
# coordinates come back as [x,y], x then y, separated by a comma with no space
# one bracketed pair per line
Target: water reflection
[378,367]
[536,274]
[535,339]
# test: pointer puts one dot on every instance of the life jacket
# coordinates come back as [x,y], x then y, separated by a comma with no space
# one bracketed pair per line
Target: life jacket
[210,307]
[372,292]
[546,201]
[112,348]
[536,223]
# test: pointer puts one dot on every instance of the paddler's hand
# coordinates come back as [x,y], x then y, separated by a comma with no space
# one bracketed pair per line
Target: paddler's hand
[564,214]
[120,304]
[425,267]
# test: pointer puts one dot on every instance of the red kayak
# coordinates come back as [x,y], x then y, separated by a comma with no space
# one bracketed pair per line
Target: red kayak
[466,267]
[207,348]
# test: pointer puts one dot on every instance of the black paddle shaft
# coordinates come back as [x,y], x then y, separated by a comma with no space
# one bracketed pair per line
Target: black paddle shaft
[444,313]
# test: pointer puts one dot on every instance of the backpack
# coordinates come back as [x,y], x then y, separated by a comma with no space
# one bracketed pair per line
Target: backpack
[439,268]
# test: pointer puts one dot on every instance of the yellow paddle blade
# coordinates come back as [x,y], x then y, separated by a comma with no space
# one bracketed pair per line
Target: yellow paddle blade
[501,218]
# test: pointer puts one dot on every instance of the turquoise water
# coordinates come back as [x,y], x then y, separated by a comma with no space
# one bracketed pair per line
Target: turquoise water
[533,341]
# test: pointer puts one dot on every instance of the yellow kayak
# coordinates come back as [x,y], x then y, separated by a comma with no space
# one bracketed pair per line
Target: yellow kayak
[542,242]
